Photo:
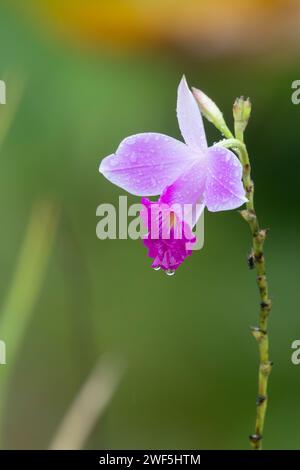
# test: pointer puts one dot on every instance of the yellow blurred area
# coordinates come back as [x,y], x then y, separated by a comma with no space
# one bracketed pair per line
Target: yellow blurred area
[197,25]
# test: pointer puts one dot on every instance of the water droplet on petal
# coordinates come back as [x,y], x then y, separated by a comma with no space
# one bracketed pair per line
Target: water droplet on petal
[170,272]
[156,268]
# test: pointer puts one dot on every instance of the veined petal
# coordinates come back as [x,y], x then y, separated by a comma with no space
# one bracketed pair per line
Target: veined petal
[190,119]
[188,191]
[144,164]
[224,187]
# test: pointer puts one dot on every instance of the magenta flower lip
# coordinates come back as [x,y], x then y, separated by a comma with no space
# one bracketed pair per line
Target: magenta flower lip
[169,239]
[151,164]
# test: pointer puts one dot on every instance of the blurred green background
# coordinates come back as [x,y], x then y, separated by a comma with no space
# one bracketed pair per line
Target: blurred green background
[191,363]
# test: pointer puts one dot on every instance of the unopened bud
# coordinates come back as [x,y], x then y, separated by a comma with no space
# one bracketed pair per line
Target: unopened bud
[211,112]
[241,114]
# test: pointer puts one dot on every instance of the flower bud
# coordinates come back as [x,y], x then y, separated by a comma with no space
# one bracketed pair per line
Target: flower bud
[241,114]
[211,112]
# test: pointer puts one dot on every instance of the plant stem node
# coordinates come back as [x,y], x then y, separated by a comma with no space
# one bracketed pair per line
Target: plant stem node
[266,305]
[254,438]
[260,399]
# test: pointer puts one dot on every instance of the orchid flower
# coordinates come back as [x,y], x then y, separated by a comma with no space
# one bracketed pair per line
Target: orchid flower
[190,173]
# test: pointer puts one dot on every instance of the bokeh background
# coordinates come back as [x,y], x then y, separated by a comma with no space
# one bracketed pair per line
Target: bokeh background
[81,76]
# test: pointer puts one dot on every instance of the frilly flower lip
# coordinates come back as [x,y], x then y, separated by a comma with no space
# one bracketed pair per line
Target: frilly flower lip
[169,239]
[189,173]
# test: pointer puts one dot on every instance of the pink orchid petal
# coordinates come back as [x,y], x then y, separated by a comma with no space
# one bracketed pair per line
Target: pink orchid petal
[224,187]
[144,164]
[188,192]
[190,119]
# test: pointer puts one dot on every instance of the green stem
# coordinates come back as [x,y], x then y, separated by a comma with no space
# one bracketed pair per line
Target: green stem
[241,149]
[257,258]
